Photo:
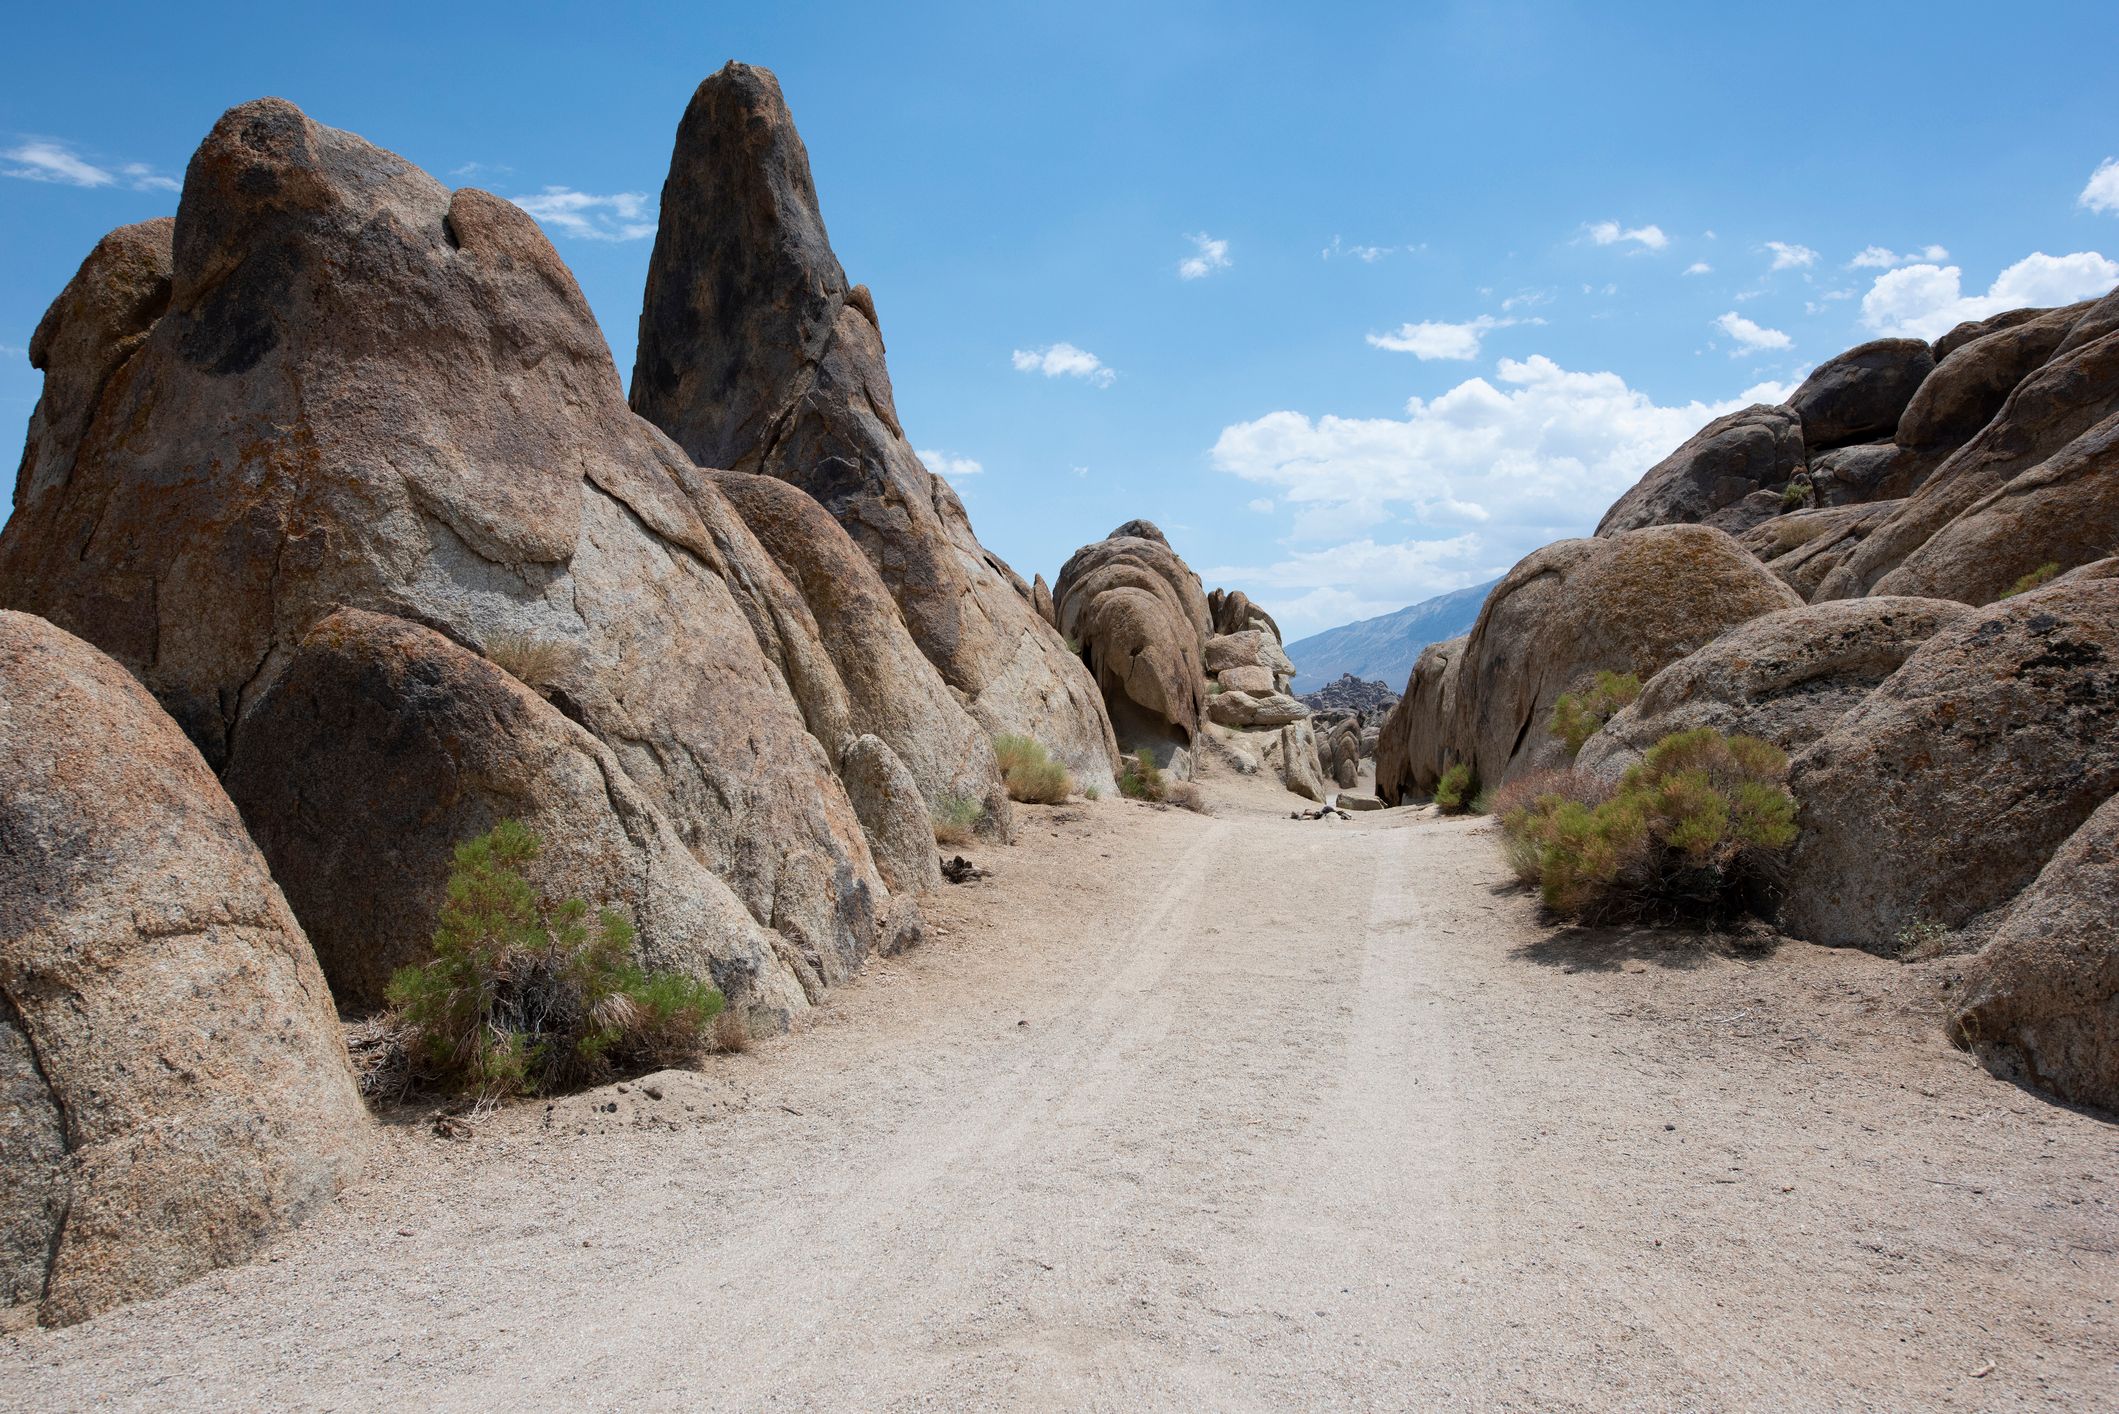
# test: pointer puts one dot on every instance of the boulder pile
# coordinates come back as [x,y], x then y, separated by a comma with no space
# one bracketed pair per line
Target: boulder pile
[1347,693]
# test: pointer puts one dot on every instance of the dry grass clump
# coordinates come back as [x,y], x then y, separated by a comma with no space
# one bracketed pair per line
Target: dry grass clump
[1455,791]
[1142,779]
[1030,772]
[521,997]
[2046,572]
[531,659]
[1187,796]
[1576,716]
[956,818]
[1691,830]
[729,1033]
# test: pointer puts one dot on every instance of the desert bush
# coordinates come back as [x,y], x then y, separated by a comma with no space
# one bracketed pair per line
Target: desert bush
[956,818]
[521,997]
[1142,779]
[1689,831]
[1795,495]
[1456,789]
[1092,793]
[1526,793]
[730,1033]
[2045,572]
[1187,796]
[531,659]
[1576,716]
[1030,772]
[1922,939]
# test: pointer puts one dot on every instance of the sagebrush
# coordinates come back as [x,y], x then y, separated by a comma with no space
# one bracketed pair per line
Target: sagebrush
[1142,779]
[522,998]
[2044,574]
[1454,792]
[1576,716]
[956,818]
[1694,829]
[1029,771]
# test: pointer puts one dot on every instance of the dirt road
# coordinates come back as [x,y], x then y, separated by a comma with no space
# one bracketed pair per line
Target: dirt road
[1215,1112]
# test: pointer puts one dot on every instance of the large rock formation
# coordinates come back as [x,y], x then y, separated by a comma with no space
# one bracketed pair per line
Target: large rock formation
[756,354]
[1945,791]
[1711,476]
[1969,386]
[1806,546]
[2040,1003]
[173,1087]
[1413,747]
[1860,394]
[1631,603]
[1140,618]
[1786,677]
[367,391]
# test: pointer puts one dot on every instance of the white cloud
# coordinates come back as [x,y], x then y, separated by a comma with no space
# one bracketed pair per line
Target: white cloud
[1432,340]
[2101,193]
[45,161]
[1367,254]
[1489,470]
[1212,255]
[1699,267]
[1751,337]
[949,467]
[1064,360]
[1926,301]
[621,216]
[1611,233]
[1787,256]
[1261,505]
[1876,257]
[1079,470]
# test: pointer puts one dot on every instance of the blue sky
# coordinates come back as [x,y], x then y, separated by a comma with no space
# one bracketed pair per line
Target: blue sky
[1360,306]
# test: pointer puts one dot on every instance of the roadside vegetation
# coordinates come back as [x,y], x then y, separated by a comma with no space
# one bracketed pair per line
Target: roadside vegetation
[1577,716]
[1029,771]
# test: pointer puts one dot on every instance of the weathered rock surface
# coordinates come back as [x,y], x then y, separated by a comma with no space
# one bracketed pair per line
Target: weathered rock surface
[399,745]
[1803,547]
[1968,387]
[1412,748]
[1236,708]
[1351,694]
[1786,677]
[1757,449]
[1291,754]
[1339,748]
[369,392]
[173,1086]
[894,812]
[2039,1004]
[1869,471]
[758,355]
[1233,613]
[1250,648]
[1860,394]
[1140,617]
[1633,602]
[1944,792]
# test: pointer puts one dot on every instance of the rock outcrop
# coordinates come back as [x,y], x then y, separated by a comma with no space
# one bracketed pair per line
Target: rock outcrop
[1943,793]
[1859,395]
[369,392]
[1710,477]
[1140,619]
[173,1086]
[1412,747]
[1634,603]
[1347,693]
[1805,547]
[756,354]
[2039,1004]
[1339,748]
[1786,677]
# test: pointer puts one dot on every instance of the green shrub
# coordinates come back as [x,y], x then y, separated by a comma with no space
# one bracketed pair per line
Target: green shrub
[521,998]
[1576,716]
[1796,495]
[956,818]
[1029,771]
[1455,789]
[1091,793]
[1142,779]
[2047,571]
[1695,826]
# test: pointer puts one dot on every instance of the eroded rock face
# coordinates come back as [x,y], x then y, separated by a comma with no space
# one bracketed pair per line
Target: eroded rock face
[2040,1003]
[1290,752]
[401,745]
[1711,475]
[756,354]
[1629,603]
[1412,746]
[1141,619]
[1786,677]
[1870,471]
[1860,394]
[1802,548]
[1969,386]
[893,812]
[1943,792]
[173,1086]
[370,392]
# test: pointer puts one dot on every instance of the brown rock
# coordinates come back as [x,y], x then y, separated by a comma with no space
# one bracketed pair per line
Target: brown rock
[1803,547]
[1412,747]
[1871,471]
[175,1086]
[1860,394]
[1140,617]
[1256,680]
[757,354]
[1759,448]
[893,812]
[1631,603]
[2039,1005]
[1785,677]
[1944,791]
[1968,388]
[1242,709]
[1290,752]
[1234,613]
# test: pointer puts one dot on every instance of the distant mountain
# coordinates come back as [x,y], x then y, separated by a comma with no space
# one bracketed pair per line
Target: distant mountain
[1384,649]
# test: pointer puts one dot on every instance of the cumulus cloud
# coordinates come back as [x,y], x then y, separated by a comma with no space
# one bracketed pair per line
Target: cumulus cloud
[1751,337]
[1699,267]
[1876,257]
[1211,255]
[1611,233]
[1064,360]
[1925,301]
[1787,256]
[1432,340]
[949,467]
[1261,505]
[621,216]
[1474,479]
[41,160]
[2102,191]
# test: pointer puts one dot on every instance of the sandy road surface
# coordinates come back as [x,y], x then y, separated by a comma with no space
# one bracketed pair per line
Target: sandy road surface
[1215,1112]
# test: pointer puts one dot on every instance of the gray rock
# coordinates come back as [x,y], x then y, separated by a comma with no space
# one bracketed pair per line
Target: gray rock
[893,812]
